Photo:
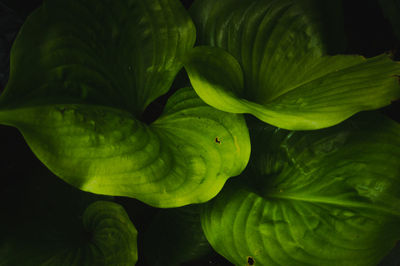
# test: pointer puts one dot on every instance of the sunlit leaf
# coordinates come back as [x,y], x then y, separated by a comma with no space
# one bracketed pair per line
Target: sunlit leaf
[268,58]
[83,72]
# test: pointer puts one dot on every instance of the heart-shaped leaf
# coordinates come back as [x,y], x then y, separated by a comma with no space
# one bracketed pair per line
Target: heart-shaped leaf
[83,72]
[47,222]
[268,58]
[328,197]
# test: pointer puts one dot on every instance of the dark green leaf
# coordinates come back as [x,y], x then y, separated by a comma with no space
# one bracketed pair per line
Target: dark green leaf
[47,222]
[328,197]
[121,54]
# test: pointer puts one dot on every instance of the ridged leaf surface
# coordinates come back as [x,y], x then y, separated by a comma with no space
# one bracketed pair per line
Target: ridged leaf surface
[329,197]
[83,72]
[279,70]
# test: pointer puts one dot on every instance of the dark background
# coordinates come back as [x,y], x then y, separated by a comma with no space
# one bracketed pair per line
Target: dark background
[367,30]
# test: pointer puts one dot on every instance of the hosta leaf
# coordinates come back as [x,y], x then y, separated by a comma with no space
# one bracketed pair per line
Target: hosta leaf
[118,53]
[288,80]
[63,226]
[175,236]
[183,157]
[328,197]
[81,75]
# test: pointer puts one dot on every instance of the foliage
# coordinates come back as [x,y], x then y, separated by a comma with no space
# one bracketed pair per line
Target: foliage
[316,197]
[91,77]
[275,66]
[322,184]
[46,222]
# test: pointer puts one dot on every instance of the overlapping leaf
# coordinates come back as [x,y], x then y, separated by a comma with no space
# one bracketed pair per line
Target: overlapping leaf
[83,72]
[122,54]
[328,197]
[268,58]
[47,222]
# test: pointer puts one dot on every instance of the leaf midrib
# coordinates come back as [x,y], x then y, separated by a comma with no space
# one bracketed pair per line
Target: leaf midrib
[330,201]
[309,80]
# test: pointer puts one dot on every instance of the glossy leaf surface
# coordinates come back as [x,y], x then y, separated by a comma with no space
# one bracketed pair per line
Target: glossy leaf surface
[185,156]
[81,75]
[328,197]
[278,66]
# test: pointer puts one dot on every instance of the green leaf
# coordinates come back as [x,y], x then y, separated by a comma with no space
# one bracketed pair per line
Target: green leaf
[331,20]
[47,222]
[81,75]
[183,157]
[120,54]
[328,197]
[175,237]
[268,59]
